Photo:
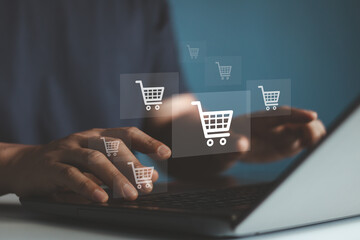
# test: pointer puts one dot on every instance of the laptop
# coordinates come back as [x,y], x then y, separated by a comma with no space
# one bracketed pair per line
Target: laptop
[320,186]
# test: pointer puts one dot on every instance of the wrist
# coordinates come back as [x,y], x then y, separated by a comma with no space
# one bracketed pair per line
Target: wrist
[10,155]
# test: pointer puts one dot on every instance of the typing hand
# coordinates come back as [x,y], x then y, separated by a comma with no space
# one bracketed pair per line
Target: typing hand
[63,164]
[278,137]
[272,138]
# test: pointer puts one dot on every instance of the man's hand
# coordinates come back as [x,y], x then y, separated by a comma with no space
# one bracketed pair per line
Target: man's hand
[278,137]
[72,163]
[272,138]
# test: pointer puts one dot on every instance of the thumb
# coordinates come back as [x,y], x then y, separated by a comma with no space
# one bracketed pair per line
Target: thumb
[240,143]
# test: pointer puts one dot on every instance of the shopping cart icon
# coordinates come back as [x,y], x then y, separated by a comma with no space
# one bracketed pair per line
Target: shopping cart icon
[151,95]
[271,98]
[215,124]
[194,52]
[111,147]
[142,175]
[224,71]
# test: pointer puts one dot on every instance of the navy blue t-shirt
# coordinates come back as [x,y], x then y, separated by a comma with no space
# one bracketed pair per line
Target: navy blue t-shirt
[60,62]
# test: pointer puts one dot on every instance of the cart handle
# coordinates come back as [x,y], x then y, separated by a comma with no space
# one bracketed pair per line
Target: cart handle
[188,46]
[198,103]
[139,82]
[217,64]
[261,87]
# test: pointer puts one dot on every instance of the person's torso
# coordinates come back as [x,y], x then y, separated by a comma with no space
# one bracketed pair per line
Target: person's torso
[60,63]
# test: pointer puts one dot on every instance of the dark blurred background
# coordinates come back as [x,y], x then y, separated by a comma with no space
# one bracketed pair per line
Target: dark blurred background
[315,43]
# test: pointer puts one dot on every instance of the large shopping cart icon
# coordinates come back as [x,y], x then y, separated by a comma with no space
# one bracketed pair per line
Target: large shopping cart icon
[151,95]
[224,71]
[142,175]
[194,52]
[215,124]
[271,98]
[111,147]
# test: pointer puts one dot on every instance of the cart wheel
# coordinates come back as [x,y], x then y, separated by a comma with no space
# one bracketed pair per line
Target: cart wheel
[223,141]
[109,154]
[267,108]
[148,185]
[148,108]
[138,186]
[274,107]
[115,154]
[210,142]
[157,107]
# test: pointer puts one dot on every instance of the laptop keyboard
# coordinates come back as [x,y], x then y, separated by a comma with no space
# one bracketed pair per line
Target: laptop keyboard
[232,199]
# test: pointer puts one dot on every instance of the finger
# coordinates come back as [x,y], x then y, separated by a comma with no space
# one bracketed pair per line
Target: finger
[141,142]
[239,142]
[95,179]
[285,140]
[70,177]
[131,136]
[296,116]
[291,139]
[312,132]
[96,163]
[80,139]
[123,158]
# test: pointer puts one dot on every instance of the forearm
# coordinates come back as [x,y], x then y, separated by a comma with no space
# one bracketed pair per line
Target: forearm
[8,155]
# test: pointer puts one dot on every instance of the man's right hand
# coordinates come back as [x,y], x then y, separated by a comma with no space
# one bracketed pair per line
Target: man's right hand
[79,163]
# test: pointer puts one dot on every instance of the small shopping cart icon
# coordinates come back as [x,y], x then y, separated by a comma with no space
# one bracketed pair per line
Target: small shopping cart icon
[142,175]
[224,71]
[194,52]
[215,124]
[111,147]
[271,98]
[151,95]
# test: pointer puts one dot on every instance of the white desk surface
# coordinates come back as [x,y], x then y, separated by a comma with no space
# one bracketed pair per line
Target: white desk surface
[15,223]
